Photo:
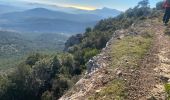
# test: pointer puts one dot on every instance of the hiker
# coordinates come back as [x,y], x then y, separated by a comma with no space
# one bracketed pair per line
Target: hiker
[166,6]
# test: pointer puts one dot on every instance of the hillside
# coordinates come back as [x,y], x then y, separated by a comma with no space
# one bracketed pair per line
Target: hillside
[134,65]
[121,58]
[12,43]
[15,46]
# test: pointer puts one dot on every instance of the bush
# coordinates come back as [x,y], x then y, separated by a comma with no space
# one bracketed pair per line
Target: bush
[32,59]
[89,53]
[167,89]
[60,86]
[4,83]
[159,5]
[21,85]
[46,96]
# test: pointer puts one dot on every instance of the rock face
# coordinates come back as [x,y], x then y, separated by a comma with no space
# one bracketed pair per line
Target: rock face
[73,40]
[98,61]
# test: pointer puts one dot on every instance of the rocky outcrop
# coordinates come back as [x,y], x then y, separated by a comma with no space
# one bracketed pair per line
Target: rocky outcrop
[73,40]
[97,62]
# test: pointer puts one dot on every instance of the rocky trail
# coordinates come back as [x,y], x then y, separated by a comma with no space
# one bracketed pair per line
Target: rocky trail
[145,82]
[162,70]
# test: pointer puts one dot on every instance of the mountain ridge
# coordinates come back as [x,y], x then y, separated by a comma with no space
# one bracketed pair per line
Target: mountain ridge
[58,21]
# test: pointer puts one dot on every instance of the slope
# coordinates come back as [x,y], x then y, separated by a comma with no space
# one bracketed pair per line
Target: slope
[133,66]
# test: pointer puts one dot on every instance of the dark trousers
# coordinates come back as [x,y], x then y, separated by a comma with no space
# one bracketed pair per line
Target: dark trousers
[166,15]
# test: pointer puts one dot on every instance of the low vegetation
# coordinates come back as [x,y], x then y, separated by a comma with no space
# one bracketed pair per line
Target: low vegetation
[112,91]
[37,75]
[167,89]
[129,50]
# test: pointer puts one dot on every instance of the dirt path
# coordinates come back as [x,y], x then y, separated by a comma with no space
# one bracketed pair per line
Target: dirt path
[163,70]
[147,81]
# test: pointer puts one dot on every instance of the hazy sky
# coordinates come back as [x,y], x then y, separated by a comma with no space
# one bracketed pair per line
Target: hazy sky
[87,4]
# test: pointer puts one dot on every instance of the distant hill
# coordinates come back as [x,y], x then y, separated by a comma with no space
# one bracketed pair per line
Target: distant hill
[104,12]
[53,42]
[12,43]
[15,46]
[7,9]
[45,20]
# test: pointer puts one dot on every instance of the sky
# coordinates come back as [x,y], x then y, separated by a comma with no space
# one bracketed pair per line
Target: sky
[87,4]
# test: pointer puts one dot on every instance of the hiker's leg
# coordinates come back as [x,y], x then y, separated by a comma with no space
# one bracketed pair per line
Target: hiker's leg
[164,18]
[168,15]
[165,15]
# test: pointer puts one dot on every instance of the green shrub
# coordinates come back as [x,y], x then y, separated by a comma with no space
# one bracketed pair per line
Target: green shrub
[89,53]
[46,96]
[32,59]
[60,86]
[167,89]
[4,84]
[159,5]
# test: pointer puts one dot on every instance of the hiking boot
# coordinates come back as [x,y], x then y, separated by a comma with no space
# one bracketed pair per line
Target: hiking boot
[165,24]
